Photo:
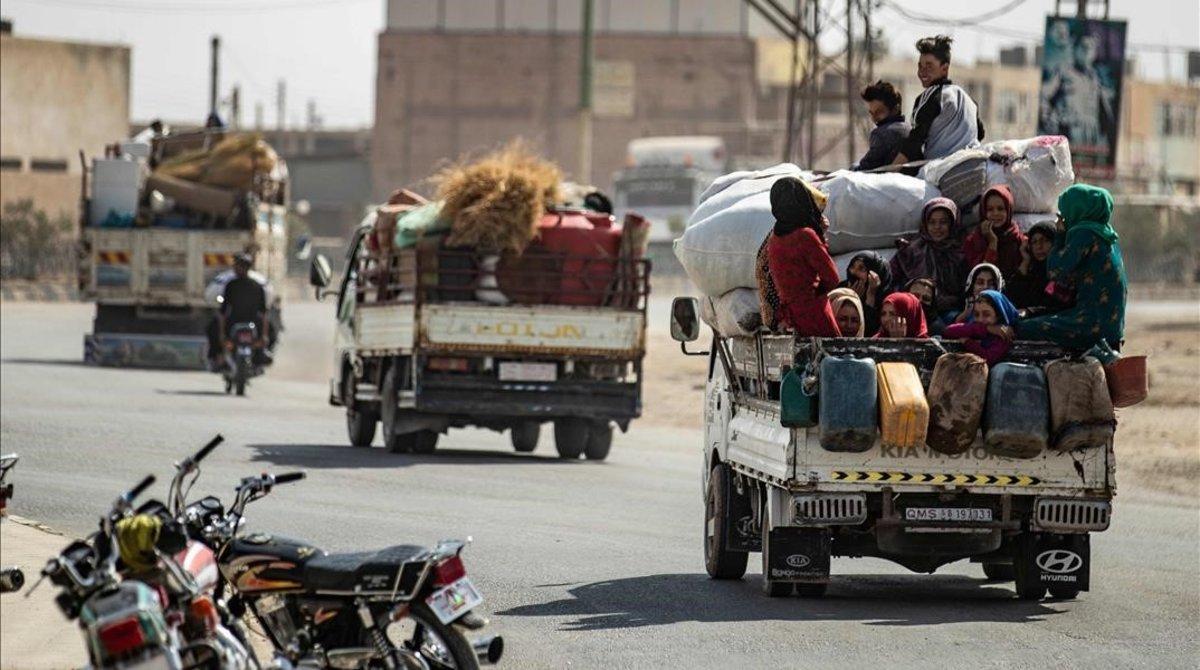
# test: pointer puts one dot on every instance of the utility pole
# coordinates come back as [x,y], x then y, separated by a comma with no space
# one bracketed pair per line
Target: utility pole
[214,69]
[280,105]
[585,96]
[851,154]
[235,108]
[258,116]
[790,123]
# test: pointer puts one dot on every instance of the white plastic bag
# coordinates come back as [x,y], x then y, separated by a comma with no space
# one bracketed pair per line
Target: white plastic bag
[734,314]
[727,190]
[869,211]
[719,252]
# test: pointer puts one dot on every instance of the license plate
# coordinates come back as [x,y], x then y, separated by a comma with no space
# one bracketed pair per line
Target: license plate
[528,372]
[454,600]
[948,514]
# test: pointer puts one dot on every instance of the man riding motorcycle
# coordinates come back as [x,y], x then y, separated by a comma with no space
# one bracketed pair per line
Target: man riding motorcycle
[244,300]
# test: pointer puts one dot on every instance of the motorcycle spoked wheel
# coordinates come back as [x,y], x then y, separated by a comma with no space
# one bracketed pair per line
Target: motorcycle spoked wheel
[440,646]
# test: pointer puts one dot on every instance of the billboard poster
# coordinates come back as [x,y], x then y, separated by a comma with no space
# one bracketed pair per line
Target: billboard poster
[1083,64]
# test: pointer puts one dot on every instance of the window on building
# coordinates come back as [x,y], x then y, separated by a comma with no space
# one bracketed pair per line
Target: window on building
[1177,119]
[48,165]
[10,163]
[1009,109]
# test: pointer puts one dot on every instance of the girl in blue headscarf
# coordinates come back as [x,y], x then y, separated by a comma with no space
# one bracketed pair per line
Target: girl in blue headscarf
[988,330]
[1087,259]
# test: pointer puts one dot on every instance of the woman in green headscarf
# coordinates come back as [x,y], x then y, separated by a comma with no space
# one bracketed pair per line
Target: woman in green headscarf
[1087,259]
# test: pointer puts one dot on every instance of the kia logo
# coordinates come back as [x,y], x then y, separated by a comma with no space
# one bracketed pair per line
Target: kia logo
[1059,561]
[798,560]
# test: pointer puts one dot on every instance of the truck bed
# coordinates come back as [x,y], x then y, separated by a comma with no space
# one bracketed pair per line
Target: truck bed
[794,458]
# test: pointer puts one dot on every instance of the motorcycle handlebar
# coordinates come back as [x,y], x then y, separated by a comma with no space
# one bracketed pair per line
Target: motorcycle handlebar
[207,449]
[289,477]
[141,486]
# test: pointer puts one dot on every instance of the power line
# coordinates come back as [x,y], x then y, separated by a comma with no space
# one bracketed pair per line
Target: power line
[954,23]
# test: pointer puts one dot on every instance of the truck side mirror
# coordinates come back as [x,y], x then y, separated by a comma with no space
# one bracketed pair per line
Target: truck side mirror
[685,319]
[319,273]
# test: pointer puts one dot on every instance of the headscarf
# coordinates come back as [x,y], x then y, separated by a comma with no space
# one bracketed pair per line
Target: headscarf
[1045,228]
[793,206]
[908,306]
[874,262]
[924,257]
[1087,208]
[841,296]
[1010,227]
[976,270]
[1006,312]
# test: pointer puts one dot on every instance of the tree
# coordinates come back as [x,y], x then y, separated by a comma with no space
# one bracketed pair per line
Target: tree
[30,241]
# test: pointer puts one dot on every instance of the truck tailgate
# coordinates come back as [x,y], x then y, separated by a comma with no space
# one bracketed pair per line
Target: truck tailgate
[533,329]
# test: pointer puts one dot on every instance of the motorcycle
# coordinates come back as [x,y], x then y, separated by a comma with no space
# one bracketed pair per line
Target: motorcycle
[242,354]
[12,578]
[405,606]
[124,622]
[158,615]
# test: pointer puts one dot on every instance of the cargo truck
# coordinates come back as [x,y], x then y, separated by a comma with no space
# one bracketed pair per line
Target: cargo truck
[150,244]
[777,491]
[431,339]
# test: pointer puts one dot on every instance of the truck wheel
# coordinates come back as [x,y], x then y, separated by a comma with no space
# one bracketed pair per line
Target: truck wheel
[388,412]
[719,560]
[570,437]
[524,436]
[239,386]
[773,589]
[599,441]
[422,441]
[1063,592]
[998,572]
[360,418]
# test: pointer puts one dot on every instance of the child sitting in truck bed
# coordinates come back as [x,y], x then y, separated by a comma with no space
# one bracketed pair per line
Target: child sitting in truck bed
[988,331]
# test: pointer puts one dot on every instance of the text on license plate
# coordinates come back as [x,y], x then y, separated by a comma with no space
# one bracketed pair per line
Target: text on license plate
[948,514]
[452,601]
[528,372]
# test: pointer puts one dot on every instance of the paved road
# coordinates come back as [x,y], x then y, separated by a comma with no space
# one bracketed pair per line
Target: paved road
[588,565]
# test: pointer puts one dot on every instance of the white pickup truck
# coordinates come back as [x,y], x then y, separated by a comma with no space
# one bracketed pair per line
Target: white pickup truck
[777,491]
[418,350]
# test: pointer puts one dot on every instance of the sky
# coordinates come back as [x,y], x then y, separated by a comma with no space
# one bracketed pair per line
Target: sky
[325,49]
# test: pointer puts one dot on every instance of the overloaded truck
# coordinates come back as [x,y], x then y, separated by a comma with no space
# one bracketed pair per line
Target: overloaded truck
[795,468]
[161,219]
[432,336]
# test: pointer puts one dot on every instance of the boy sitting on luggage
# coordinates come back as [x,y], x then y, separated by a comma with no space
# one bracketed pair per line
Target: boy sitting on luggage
[988,331]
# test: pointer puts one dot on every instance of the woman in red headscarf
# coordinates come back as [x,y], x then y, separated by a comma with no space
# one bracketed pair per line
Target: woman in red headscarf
[798,260]
[998,239]
[902,316]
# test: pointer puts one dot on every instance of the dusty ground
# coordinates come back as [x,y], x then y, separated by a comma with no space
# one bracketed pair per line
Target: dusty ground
[1158,441]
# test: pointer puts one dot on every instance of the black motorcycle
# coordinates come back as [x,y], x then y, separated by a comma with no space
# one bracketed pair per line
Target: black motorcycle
[405,606]
[243,354]
[11,578]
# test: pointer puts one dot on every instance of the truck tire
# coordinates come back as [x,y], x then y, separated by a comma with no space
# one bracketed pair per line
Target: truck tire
[570,437]
[599,441]
[1063,592]
[1027,582]
[360,417]
[719,560]
[771,587]
[422,441]
[388,412]
[998,572]
[524,436]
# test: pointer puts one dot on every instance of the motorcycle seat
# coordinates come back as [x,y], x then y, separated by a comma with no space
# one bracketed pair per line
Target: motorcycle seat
[373,570]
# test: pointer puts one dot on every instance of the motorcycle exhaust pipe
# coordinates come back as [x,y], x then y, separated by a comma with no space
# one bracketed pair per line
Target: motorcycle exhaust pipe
[489,649]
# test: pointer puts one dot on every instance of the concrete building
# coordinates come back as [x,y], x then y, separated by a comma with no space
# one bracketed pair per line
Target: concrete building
[460,76]
[1159,150]
[58,98]
[331,170]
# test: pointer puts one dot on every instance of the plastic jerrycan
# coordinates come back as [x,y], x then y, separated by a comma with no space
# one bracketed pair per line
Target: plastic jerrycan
[847,411]
[903,410]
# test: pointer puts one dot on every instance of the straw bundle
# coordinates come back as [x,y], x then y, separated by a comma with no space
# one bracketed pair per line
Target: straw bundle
[495,203]
[232,163]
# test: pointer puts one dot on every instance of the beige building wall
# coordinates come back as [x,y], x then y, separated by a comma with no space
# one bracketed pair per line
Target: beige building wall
[440,95]
[58,98]
[1159,150]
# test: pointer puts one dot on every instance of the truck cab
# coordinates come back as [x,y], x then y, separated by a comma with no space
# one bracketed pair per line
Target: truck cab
[777,490]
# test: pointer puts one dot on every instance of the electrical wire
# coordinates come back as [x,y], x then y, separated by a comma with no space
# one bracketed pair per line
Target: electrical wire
[954,23]
[192,7]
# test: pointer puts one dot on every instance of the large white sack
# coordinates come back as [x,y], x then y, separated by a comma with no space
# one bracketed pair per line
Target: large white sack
[869,211]
[842,261]
[719,253]
[734,314]
[1037,170]
[728,189]
[1027,220]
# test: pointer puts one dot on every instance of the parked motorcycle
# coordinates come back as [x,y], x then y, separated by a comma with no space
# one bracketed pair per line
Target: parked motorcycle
[405,606]
[124,622]
[11,578]
[243,353]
